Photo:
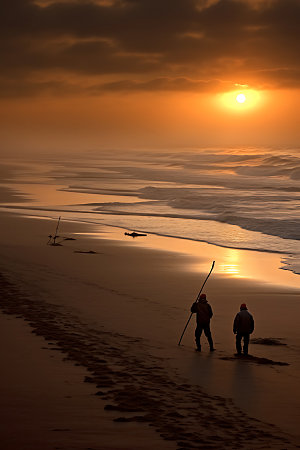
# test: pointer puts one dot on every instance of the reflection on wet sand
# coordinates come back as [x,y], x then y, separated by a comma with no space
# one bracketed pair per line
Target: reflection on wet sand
[247,264]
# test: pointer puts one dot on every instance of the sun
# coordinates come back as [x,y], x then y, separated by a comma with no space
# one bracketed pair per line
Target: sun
[239,101]
[241,98]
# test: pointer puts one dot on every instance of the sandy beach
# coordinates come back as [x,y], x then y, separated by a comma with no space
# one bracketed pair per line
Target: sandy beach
[46,404]
[111,310]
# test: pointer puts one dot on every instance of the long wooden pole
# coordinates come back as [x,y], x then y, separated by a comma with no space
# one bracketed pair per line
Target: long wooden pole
[198,296]
[55,236]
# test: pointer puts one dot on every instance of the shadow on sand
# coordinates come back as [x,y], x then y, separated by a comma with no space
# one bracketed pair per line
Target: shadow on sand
[254,359]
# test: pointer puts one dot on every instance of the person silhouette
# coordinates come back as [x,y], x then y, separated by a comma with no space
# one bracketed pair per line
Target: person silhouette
[204,313]
[243,326]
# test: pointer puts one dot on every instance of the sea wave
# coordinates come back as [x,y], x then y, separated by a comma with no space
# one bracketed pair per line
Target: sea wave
[243,198]
[286,229]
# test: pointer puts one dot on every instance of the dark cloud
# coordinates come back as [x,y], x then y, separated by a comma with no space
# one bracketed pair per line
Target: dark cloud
[161,44]
[160,84]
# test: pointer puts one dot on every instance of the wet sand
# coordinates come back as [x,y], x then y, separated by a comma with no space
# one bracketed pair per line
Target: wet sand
[46,405]
[118,313]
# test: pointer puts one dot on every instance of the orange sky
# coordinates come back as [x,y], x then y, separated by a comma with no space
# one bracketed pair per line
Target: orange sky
[80,75]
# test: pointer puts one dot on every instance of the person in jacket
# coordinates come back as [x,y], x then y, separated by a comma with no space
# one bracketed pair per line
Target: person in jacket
[204,314]
[243,326]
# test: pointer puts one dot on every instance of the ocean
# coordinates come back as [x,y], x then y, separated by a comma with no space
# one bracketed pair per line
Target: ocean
[243,198]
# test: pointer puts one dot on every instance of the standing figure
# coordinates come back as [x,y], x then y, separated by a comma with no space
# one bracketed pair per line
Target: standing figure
[243,326]
[204,314]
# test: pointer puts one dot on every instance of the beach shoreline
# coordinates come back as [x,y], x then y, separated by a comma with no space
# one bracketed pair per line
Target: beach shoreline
[111,293]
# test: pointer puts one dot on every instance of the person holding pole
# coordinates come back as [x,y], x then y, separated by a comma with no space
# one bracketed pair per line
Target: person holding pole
[204,313]
[197,300]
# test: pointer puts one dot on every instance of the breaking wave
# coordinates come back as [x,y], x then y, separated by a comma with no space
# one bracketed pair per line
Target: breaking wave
[242,198]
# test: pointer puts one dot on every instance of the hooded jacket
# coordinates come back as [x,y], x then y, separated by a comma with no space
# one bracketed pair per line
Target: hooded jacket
[203,311]
[243,322]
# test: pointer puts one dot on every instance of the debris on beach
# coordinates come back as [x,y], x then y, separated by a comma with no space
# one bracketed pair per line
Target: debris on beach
[52,238]
[53,243]
[134,234]
[90,252]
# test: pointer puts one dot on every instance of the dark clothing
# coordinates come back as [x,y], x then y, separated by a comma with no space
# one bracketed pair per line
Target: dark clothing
[207,332]
[243,322]
[243,326]
[246,337]
[204,314]
[203,311]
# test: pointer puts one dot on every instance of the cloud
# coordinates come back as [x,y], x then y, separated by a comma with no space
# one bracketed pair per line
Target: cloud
[160,84]
[169,44]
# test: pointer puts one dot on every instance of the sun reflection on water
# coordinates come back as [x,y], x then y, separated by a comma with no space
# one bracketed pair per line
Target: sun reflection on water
[231,265]
[230,269]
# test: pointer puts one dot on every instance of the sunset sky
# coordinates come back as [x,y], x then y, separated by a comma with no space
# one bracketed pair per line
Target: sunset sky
[87,74]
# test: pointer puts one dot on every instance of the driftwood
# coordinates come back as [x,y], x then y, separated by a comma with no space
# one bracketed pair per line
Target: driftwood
[135,234]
